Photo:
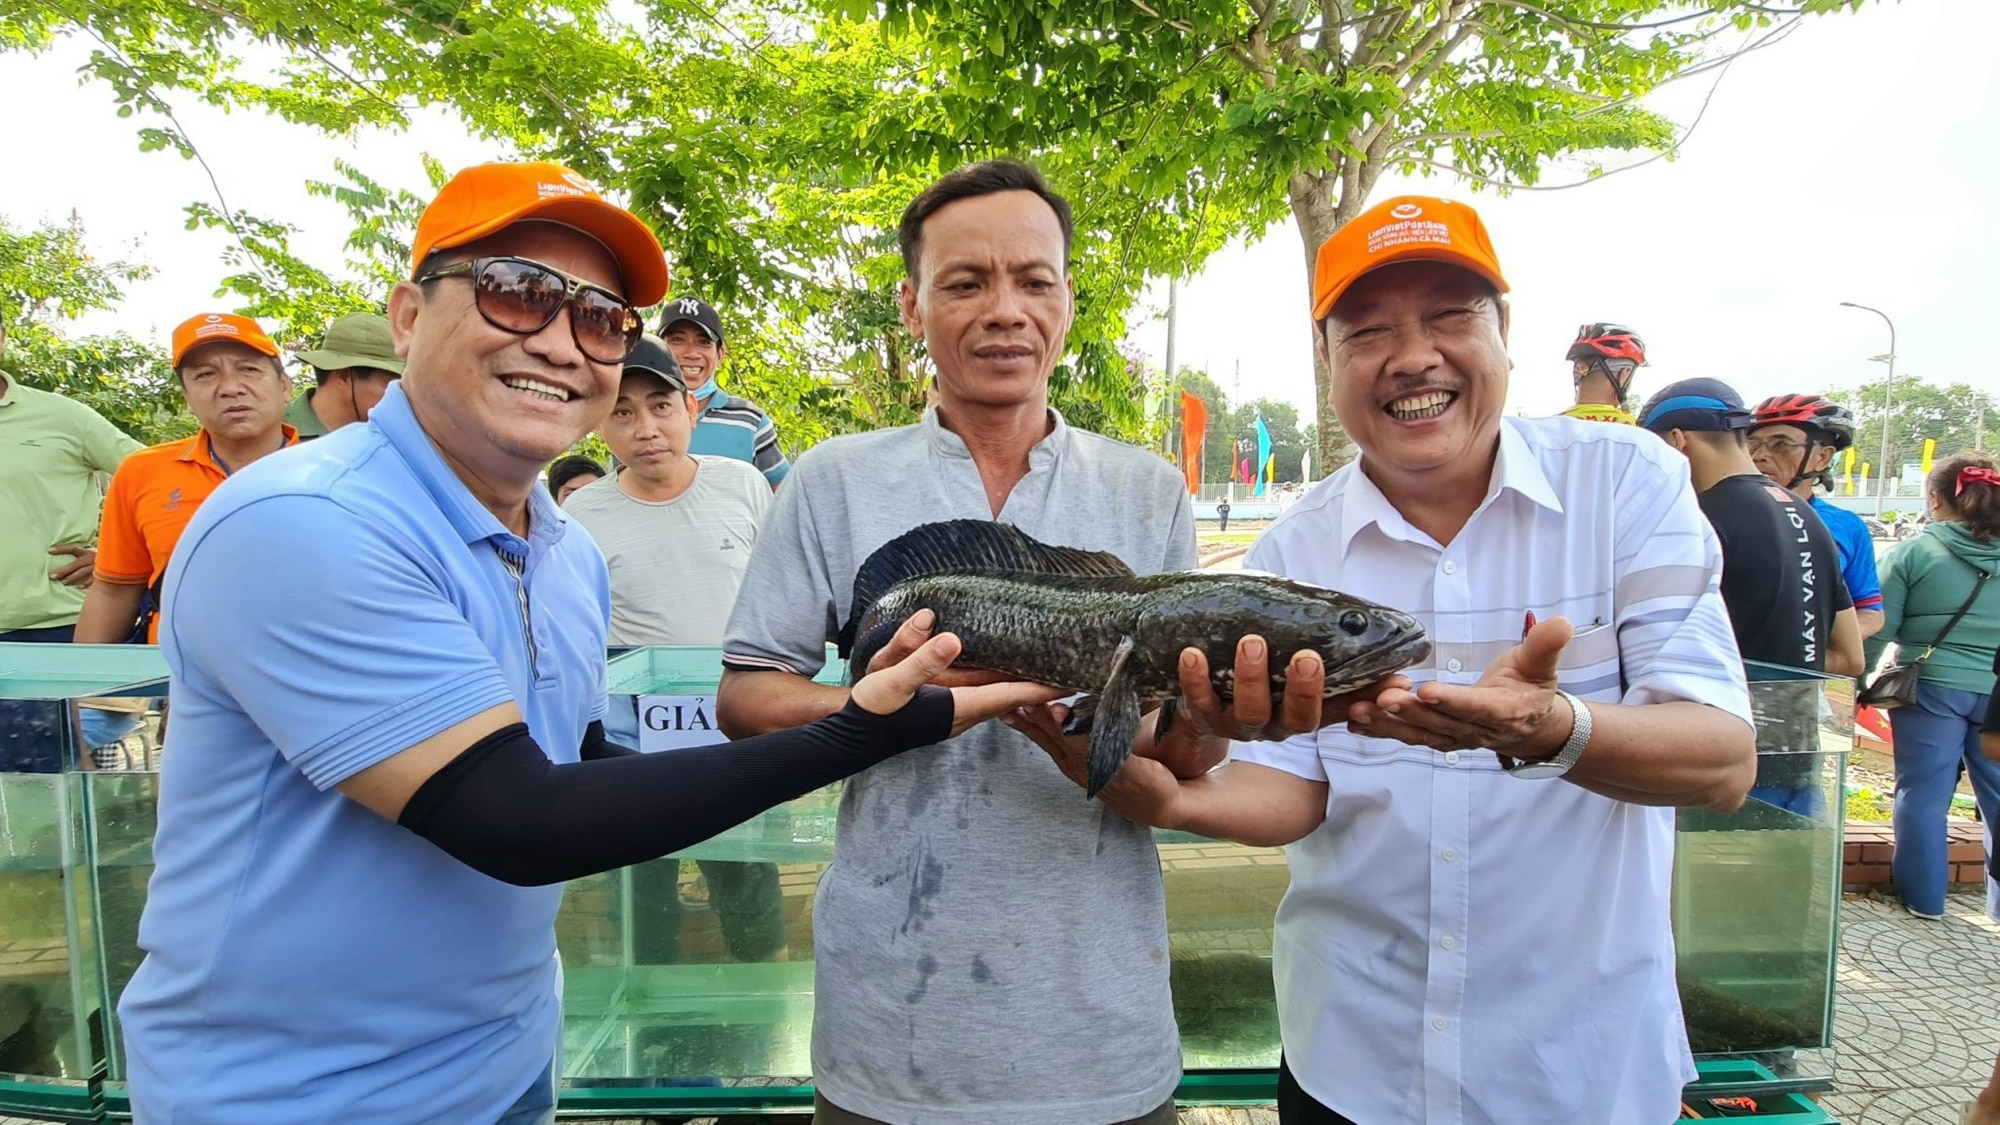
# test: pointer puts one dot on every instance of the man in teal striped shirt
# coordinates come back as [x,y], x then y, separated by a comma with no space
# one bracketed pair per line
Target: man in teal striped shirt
[729,426]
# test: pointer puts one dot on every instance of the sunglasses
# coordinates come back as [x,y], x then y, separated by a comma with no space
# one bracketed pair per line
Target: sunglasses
[523,297]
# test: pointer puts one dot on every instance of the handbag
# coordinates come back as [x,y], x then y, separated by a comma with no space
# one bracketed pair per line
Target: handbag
[1896,685]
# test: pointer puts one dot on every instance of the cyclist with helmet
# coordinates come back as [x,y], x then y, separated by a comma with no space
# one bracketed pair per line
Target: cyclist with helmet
[1794,441]
[1602,361]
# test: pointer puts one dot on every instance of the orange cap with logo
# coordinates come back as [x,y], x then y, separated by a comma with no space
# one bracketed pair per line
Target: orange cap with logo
[486,197]
[1408,228]
[211,328]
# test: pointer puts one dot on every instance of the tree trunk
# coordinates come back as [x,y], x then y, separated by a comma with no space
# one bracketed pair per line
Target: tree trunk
[1313,209]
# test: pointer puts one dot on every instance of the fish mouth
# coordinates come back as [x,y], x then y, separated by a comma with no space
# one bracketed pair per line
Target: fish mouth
[1410,646]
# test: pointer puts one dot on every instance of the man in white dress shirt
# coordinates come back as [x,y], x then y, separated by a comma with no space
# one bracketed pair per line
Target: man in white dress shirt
[1477,925]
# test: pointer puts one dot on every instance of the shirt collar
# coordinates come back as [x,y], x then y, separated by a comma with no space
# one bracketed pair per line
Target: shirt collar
[1516,469]
[1519,470]
[397,423]
[200,448]
[1045,451]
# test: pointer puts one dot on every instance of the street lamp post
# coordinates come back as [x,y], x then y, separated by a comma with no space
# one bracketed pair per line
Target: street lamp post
[1888,394]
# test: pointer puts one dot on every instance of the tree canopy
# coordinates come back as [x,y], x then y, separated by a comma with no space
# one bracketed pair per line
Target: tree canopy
[1959,417]
[48,278]
[773,146]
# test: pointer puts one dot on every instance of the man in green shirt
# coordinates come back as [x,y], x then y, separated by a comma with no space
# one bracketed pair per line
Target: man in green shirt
[51,449]
[355,363]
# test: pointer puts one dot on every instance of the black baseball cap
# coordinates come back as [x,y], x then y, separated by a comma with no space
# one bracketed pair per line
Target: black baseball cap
[1696,404]
[692,309]
[651,357]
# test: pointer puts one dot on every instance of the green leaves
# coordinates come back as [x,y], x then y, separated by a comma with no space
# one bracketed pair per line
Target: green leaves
[773,147]
[48,277]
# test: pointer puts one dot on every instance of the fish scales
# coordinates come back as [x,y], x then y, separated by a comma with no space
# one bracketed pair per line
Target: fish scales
[1082,620]
[1061,634]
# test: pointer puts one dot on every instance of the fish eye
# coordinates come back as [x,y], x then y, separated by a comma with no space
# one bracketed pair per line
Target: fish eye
[1354,623]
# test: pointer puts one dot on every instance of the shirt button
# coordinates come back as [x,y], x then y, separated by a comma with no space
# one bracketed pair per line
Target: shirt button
[1446,942]
[1452,665]
[1450,567]
[1439,1023]
[1448,855]
[1451,757]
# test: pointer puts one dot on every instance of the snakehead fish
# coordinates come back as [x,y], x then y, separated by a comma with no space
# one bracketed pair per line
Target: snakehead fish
[1083,620]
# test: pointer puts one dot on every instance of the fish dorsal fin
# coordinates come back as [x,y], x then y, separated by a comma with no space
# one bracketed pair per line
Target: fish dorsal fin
[963,545]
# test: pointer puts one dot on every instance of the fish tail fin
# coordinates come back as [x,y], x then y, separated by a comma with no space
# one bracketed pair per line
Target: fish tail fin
[964,545]
[1116,723]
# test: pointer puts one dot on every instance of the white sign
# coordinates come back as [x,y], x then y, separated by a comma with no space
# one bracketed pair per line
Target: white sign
[676,722]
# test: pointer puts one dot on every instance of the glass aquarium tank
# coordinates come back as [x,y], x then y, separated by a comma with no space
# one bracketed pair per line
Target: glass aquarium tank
[688,981]
[1757,891]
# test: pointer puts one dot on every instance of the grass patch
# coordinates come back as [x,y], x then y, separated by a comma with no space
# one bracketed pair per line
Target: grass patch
[1866,804]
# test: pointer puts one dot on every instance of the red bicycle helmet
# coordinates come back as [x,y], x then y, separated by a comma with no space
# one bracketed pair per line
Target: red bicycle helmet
[1809,412]
[1607,342]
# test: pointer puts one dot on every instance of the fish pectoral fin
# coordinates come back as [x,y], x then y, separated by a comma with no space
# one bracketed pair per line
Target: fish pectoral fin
[1082,715]
[1117,721]
[1168,710]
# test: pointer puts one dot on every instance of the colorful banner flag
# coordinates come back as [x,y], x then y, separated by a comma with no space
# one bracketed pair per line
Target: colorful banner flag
[1263,452]
[1306,466]
[1194,430]
[1930,448]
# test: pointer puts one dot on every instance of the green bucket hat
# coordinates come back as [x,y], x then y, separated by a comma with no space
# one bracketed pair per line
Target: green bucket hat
[358,340]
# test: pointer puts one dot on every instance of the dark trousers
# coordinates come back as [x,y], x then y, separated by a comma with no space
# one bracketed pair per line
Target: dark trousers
[31,730]
[1296,1107]
[747,901]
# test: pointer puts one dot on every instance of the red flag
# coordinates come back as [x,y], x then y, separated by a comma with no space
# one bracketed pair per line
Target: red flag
[1194,429]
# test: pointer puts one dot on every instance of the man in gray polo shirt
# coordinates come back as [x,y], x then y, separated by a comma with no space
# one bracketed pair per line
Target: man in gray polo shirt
[990,946]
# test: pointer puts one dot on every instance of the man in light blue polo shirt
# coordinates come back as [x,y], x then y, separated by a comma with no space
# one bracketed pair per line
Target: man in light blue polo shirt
[366,813]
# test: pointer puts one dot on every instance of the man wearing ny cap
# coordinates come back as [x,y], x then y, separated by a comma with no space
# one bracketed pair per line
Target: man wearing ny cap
[729,425]
[1780,575]
[352,368]
[1477,925]
[676,530]
[368,810]
[235,386]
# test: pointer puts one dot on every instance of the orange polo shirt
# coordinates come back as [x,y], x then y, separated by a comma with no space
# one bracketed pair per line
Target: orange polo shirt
[152,497]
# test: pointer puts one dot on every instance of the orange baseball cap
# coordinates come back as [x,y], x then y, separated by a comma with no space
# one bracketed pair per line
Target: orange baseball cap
[210,328]
[1408,228]
[487,197]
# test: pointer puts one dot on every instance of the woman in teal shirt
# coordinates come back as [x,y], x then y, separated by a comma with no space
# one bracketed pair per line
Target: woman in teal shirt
[1924,582]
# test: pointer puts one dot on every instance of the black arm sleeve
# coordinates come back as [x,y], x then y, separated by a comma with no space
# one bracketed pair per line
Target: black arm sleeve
[502,808]
[596,747]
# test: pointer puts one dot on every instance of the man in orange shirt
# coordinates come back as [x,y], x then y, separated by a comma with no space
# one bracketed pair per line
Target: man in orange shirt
[235,386]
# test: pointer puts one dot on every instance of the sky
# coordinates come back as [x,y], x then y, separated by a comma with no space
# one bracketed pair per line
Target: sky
[1855,161]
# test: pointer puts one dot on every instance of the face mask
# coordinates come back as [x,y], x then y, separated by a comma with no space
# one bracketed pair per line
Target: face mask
[707,391]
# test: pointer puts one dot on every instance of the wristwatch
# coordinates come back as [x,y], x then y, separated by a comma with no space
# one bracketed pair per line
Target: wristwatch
[1559,763]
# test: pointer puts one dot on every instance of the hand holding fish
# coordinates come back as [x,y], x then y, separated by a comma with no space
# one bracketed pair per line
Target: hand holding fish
[1512,710]
[1083,621]
[1197,739]
[913,658]
[1250,716]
